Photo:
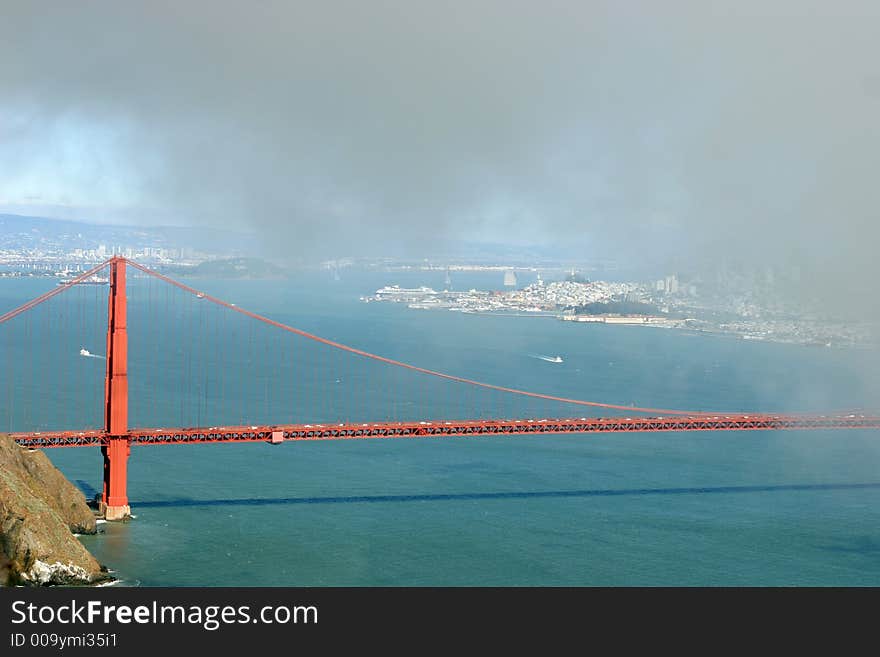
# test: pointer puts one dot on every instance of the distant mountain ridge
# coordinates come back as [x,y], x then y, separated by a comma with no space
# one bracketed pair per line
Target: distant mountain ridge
[23,232]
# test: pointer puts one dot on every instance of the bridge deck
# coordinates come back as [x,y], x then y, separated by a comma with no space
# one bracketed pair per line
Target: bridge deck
[342,431]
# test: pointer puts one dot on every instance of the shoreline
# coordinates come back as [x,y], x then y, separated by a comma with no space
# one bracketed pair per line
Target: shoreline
[666,324]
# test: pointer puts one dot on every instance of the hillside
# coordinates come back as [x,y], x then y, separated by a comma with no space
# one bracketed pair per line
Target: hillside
[225,268]
[40,510]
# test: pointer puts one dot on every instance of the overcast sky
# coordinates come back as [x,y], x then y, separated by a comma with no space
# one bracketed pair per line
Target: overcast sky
[654,129]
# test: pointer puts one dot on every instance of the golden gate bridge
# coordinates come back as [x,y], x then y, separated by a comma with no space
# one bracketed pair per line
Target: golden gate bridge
[279,391]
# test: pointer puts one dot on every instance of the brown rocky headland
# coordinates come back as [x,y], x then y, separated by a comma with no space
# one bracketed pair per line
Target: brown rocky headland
[40,511]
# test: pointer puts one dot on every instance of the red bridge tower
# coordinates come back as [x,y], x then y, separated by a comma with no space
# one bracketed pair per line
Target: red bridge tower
[114,502]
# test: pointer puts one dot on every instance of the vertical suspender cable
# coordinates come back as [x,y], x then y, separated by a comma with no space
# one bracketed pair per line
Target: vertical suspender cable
[7,367]
[169,353]
[203,378]
[218,368]
[265,371]
[185,413]
[27,374]
[250,370]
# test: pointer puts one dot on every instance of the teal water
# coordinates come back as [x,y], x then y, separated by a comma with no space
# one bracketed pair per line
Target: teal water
[744,508]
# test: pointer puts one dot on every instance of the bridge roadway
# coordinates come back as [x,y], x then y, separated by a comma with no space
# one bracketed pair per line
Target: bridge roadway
[294,432]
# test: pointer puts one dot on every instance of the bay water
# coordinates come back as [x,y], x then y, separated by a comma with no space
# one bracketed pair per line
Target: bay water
[713,508]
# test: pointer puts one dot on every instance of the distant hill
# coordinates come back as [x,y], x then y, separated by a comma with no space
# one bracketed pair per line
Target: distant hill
[618,308]
[23,232]
[236,268]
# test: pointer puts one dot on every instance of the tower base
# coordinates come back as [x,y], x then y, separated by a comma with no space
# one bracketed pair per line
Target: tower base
[111,513]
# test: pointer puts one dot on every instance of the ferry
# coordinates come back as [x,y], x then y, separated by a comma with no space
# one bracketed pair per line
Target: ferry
[91,280]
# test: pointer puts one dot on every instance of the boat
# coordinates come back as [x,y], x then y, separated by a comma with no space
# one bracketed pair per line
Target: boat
[91,280]
[551,359]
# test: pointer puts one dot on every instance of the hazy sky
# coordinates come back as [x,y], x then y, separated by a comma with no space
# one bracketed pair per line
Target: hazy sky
[654,129]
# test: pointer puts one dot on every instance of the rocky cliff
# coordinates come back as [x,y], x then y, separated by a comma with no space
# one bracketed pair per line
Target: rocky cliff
[40,510]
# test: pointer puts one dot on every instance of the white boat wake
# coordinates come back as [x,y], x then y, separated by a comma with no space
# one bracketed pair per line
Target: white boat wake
[88,354]
[549,359]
